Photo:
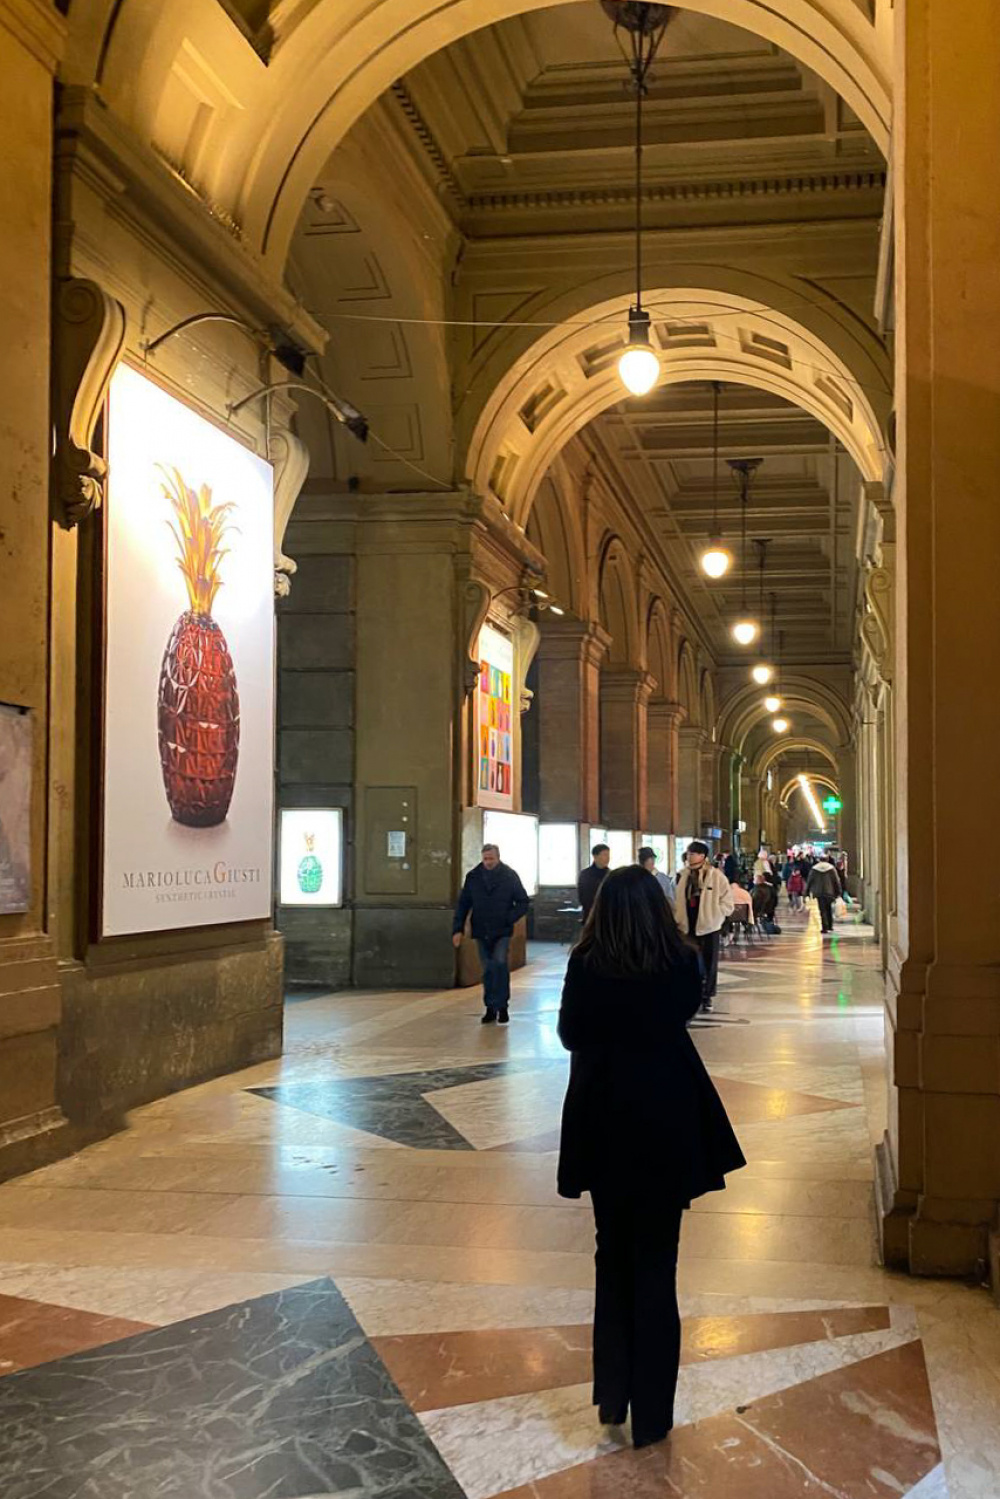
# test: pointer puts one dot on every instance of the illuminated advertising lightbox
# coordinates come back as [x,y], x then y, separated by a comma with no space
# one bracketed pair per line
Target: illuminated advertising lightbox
[516,836]
[310,856]
[189,669]
[622,846]
[558,853]
[494,727]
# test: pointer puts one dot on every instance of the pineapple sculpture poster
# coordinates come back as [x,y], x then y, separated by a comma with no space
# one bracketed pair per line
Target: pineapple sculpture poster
[189,731]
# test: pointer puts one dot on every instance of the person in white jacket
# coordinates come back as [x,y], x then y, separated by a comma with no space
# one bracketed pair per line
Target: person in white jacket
[703,902]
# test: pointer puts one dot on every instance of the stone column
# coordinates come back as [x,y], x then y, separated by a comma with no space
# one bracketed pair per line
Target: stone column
[32,1127]
[711,764]
[625,692]
[847,774]
[689,781]
[939,1177]
[727,813]
[568,708]
[663,720]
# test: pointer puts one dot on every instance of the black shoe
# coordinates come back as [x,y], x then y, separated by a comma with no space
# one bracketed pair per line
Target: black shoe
[488,1017]
[650,1438]
[707,1006]
[611,1415]
[503,1016]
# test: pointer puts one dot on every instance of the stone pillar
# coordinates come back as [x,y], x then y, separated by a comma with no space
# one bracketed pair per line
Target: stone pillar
[848,777]
[727,812]
[689,781]
[711,765]
[663,720]
[568,708]
[939,1176]
[32,1127]
[625,694]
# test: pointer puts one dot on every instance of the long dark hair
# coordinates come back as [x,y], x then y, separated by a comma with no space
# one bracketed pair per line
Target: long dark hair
[631,929]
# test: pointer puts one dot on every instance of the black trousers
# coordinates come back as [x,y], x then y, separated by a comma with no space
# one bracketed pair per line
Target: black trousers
[637,1326]
[709,945]
[825,903]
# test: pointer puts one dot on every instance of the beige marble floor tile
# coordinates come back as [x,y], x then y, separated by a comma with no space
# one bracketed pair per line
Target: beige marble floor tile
[159,1297]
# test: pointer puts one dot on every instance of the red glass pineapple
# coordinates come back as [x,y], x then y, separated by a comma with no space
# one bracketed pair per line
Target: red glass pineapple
[198,705]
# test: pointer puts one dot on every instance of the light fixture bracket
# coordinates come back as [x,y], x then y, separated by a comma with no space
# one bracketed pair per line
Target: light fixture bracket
[639,328]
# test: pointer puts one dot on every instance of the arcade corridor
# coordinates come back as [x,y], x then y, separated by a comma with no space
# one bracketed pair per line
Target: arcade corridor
[347,1272]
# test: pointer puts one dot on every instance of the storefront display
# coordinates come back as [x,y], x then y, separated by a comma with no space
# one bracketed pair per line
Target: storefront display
[310,856]
[516,836]
[189,661]
[15,809]
[558,853]
[494,728]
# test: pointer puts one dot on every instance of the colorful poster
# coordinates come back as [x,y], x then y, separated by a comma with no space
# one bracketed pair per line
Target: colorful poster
[311,856]
[189,706]
[495,720]
[15,810]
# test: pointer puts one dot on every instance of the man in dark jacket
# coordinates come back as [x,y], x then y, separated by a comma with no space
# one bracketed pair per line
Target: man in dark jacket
[824,884]
[497,899]
[589,880]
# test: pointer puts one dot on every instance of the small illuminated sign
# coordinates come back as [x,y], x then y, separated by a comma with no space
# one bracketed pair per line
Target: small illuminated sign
[832,804]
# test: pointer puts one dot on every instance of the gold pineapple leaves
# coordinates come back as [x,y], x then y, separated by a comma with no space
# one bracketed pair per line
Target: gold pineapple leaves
[199,531]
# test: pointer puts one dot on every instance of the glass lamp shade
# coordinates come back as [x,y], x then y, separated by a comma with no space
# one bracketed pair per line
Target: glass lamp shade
[716,560]
[639,369]
[745,631]
[772,703]
[762,673]
[780,725]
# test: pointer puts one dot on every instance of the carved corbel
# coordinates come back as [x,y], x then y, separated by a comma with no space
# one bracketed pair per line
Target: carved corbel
[527,637]
[89,336]
[475,605]
[877,625]
[290,457]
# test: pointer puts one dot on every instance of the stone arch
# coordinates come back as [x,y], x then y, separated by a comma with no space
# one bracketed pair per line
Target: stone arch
[270,106]
[616,593]
[687,689]
[820,777]
[829,365]
[785,744]
[393,371]
[743,711]
[660,659]
[706,700]
[555,529]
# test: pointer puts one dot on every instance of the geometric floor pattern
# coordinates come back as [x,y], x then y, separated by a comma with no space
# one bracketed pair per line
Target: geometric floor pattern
[348,1273]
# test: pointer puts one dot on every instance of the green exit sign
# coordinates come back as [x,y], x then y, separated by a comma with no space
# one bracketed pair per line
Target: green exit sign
[832,804]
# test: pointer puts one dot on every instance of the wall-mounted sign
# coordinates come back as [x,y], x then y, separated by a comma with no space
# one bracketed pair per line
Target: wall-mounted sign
[832,805]
[494,728]
[310,856]
[395,844]
[189,714]
[15,809]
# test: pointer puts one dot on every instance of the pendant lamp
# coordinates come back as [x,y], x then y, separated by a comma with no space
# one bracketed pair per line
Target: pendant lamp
[716,558]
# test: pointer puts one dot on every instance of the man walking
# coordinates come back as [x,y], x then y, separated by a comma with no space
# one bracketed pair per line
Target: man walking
[494,894]
[824,884]
[704,900]
[590,879]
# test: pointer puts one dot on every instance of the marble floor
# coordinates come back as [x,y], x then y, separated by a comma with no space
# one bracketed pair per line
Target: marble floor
[347,1273]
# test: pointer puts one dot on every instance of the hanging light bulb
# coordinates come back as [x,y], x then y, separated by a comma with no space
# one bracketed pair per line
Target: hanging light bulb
[639,367]
[761,673]
[772,703]
[716,558]
[744,628]
[780,725]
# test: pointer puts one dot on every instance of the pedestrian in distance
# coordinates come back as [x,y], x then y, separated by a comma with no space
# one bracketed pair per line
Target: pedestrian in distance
[589,880]
[824,884]
[497,900]
[796,888]
[647,860]
[643,1131]
[703,901]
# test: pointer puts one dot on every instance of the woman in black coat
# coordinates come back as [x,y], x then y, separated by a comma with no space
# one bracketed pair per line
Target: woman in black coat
[643,1131]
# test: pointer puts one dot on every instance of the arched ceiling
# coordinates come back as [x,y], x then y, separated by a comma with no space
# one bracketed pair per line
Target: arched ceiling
[247,101]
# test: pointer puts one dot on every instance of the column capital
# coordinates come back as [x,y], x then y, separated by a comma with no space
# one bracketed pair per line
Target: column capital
[572,640]
[693,733]
[626,684]
[666,715]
